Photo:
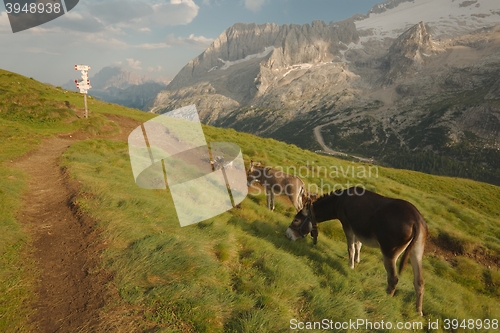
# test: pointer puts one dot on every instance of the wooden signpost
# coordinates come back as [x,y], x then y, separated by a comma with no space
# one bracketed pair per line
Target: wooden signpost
[84,84]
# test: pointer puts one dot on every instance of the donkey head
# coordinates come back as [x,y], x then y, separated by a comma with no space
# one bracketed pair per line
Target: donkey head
[254,173]
[303,223]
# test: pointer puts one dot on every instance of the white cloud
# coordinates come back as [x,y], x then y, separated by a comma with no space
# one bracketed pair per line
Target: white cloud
[177,12]
[137,31]
[115,11]
[104,42]
[97,16]
[39,50]
[198,41]
[212,2]
[254,5]
[155,69]
[134,64]
[73,21]
[73,16]
[101,24]
[152,46]
[144,14]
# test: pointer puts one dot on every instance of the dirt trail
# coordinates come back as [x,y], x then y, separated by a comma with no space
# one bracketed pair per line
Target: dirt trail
[71,289]
[64,246]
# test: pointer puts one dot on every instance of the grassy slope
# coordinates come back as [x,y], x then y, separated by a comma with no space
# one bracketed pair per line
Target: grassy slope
[29,112]
[237,271]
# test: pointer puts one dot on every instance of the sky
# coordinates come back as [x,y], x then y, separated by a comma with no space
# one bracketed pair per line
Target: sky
[152,37]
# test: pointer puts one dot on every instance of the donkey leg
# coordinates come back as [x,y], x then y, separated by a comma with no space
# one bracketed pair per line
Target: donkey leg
[416,256]
[358,245]
[269,193]
[272,200]
[392,277]
[351,248]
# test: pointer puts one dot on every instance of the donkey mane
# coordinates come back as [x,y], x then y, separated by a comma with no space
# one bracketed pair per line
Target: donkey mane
[337,193]
[327,195]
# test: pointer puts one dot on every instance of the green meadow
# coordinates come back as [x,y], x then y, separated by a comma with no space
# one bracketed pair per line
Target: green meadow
[237,272]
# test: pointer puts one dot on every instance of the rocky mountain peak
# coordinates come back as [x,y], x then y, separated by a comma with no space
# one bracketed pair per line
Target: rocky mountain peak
[241,40]
[272,46]
[414,43]
[408,53]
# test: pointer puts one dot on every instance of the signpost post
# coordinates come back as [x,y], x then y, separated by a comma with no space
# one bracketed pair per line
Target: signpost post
[84,84]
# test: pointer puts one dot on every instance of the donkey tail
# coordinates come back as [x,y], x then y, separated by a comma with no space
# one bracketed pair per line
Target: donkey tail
[406,254]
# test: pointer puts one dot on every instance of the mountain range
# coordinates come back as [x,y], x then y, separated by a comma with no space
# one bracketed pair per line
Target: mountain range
[412,84]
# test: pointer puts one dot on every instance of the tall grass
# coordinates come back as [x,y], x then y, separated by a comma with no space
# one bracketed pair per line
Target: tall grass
[16,266]
[238,273]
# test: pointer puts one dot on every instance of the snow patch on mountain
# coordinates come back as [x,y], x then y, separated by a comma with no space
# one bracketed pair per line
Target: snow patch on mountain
[351,46]
[447,17]
[297,67]
[262,54]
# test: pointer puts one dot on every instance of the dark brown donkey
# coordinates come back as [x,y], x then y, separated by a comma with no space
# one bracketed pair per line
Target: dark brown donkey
[393,225]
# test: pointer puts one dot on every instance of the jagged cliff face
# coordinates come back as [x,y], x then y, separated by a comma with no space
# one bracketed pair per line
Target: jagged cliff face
[279,46]
[247,62]
[369,85]
[408,53]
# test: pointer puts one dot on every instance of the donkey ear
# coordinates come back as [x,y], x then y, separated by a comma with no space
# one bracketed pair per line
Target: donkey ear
[306,208]
[251,163]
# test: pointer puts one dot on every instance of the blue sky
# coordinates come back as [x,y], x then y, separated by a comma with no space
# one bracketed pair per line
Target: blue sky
[152,37]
